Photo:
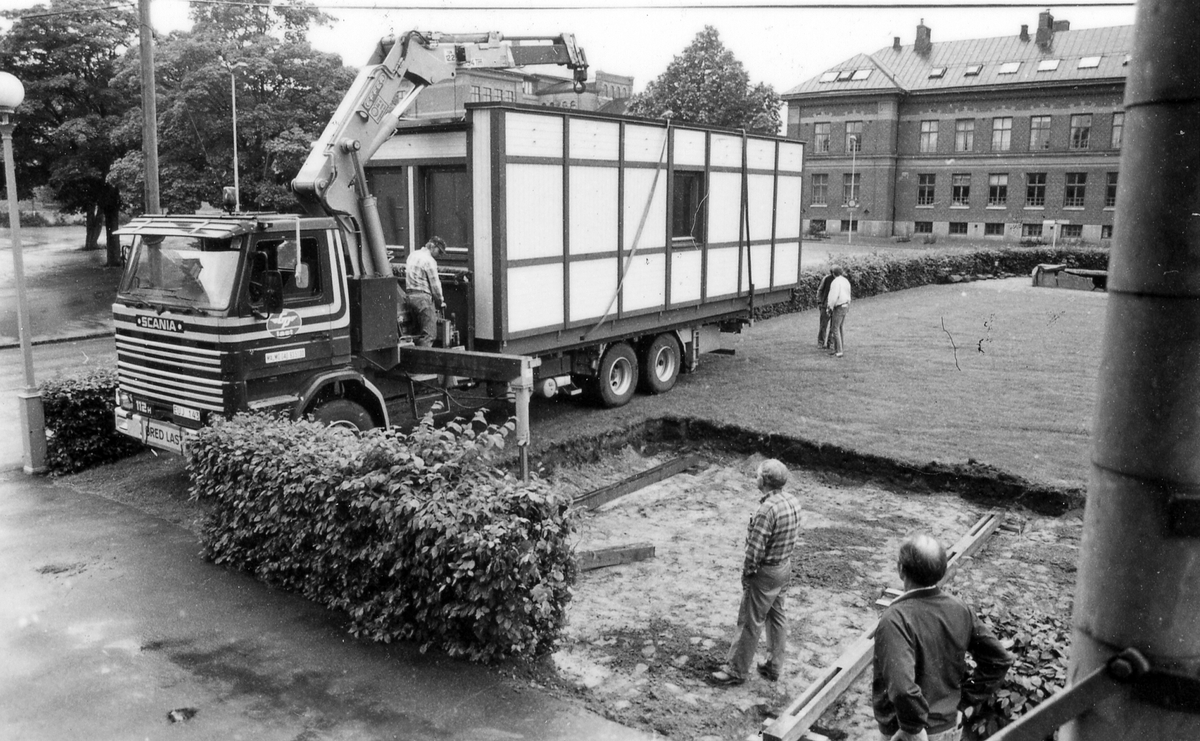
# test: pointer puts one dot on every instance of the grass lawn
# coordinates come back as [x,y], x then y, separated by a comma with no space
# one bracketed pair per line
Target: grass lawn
[995,371]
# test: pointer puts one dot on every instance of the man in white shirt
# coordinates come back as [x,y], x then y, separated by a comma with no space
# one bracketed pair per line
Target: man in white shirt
[423,289]
[839,306]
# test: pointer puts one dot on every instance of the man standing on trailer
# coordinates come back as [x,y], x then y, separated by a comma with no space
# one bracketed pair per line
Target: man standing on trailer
[921,648]
[766,571]
[839,306]
[423,289]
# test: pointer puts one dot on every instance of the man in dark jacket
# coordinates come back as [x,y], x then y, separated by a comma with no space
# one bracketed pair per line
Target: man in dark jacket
[921,645]
[822,300]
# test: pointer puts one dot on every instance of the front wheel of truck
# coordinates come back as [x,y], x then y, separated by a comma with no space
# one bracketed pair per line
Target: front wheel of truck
[344,413]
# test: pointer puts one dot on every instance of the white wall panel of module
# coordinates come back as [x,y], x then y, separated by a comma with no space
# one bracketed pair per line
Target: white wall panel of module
[722,272]
[688,150]
[532,135]
[645,187]
[535,297]
[437,144]
[760,154]
[645,144]
[645,283]
[726,150]
[787,224]
[762,206]
[534,211]
[787,264]
[483,247]
[595,140]
[724,207]
[757,269]
[593,288]
[686,271]
[594,198]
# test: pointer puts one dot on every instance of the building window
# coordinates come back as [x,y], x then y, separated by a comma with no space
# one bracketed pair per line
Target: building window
[1110,191]
[1118,128]
[1047,65]
[474,93]
[821,136]
[527,87]
[850,188]
[1081,130]
[485,93]
[1106,231]
[854,131]
[993,229]
[1031,230]
[960,190]
[1039,132]
[828,77]
[687,205]
[998,190]
[1035,189]
[849,225]
[1071,231]
[922,227]
[1076,189]
[936,74]
[1009,68]
[973,70]
[509,96]
[929,136]
[964,135]
[1089,63]
[816,226]
[958,227]
[861,74]
[820,189]
[844,75]
[1002,134]
[925,189]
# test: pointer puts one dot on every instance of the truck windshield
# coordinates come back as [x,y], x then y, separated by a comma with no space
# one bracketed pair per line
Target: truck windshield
[189,272]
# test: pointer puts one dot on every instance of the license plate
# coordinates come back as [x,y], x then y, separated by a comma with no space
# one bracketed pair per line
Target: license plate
[164,436]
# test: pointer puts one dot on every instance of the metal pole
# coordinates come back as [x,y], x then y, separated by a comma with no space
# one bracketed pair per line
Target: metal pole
[523,393]
[237,191]
[149,108]
[33,419]
[1139,562]
[853,189]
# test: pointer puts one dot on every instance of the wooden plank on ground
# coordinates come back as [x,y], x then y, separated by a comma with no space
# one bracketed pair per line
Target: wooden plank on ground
[806,709]
[605,494]
[598,559]
[966,547]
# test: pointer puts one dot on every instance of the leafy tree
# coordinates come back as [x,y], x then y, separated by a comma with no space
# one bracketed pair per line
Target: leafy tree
[66,55]
[286,92]
[706,84]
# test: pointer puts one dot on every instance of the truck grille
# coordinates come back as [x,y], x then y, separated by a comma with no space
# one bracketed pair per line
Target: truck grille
[175,374]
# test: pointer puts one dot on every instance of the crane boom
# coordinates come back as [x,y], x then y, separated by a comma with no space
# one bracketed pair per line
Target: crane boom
[332,181]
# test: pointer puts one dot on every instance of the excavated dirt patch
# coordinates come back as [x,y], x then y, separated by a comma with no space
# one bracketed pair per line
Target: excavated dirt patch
[643,636]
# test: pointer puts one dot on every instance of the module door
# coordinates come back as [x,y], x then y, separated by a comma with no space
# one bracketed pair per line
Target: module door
[446,210]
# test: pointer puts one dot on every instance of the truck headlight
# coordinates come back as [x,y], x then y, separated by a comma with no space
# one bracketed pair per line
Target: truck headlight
[125,400]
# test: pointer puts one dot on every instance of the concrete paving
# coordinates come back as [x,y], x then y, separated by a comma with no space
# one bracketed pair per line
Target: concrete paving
[113,627]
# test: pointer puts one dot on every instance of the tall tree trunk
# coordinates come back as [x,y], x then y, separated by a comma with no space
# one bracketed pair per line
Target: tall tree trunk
[110,204]
[94,223]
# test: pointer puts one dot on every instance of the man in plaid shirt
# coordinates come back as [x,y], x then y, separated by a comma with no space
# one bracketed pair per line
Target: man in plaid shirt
[765,576]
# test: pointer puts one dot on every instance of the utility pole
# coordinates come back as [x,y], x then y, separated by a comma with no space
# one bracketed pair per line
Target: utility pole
[149,108]
[1139,563]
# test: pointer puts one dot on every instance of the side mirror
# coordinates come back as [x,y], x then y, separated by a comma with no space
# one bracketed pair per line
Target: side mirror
[272,292]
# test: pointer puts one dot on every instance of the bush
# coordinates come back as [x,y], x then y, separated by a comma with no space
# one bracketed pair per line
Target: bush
[876,273]
[416,536]
[28,218]
[80,432]
[1039,644]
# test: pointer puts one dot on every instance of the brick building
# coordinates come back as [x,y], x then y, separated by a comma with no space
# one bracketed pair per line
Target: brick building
[606,92]
[1007,138]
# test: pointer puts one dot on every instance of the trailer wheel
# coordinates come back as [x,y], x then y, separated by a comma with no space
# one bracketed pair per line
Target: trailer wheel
[660,365]
[344,413]
[616,378]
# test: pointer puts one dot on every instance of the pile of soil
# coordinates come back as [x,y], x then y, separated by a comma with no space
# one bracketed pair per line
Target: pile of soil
[643,636]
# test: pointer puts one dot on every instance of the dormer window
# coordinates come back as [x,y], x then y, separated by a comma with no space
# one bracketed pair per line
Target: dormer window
[1089,62]
[828,77]
[973,70]
[1009,68]
[861,74]
[937,73]
[844,75]
[1047,65]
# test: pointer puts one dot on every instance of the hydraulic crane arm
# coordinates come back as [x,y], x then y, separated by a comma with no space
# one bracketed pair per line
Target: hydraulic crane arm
[332,180]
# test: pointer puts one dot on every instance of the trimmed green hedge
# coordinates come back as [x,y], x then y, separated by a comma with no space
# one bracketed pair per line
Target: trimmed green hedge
[416,536]
[80,432]
[876,273]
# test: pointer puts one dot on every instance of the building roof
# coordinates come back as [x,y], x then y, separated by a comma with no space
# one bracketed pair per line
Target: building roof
[1082,55]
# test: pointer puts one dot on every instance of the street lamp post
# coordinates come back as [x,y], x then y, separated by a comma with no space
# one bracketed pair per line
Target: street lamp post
[237,193]
[853,204]
[33,418]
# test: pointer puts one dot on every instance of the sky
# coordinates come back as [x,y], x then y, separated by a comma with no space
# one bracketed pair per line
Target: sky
[780,43]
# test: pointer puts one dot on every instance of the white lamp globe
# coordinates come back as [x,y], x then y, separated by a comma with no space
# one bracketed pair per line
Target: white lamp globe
[12,92]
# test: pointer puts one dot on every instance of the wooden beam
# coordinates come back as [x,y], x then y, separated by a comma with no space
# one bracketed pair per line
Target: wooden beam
[966,547]
[605,494]
[598,559]
[806,709]
[483,366]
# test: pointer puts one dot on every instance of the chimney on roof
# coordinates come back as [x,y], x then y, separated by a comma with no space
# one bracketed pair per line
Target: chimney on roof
[924,39]
[1061,26]
[1045,29]
[896,43]
[1024,32]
